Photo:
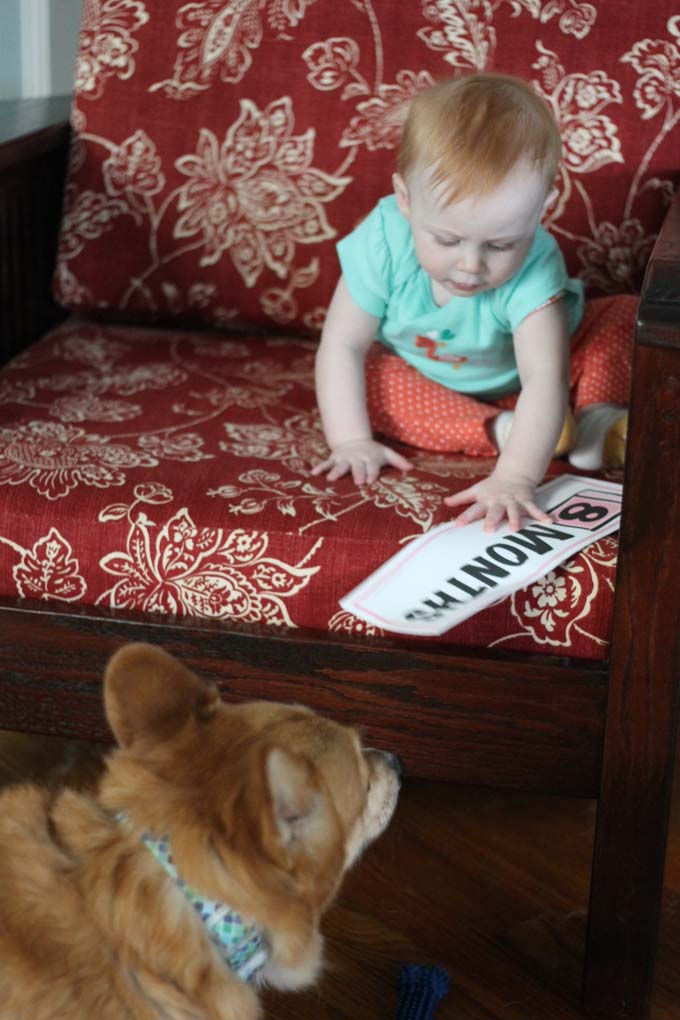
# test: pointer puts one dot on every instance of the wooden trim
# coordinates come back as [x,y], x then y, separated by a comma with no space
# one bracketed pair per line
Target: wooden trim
[659,312]
[33,127]
[33,152]
[470,718]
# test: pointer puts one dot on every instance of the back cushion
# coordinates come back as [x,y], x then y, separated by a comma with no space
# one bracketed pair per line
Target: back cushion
[221,149]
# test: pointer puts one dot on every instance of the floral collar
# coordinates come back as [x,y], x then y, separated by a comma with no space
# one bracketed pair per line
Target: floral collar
[242,946]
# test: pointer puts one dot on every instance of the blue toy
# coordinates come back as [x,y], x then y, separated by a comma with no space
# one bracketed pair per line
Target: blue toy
[420,990]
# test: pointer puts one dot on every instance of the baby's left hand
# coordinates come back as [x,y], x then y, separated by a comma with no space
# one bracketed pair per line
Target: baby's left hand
[497,497]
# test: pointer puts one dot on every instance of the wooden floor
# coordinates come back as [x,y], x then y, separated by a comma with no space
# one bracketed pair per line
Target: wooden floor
[493,888]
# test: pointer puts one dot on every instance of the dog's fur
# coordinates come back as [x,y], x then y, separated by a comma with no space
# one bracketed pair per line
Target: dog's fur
[265,805]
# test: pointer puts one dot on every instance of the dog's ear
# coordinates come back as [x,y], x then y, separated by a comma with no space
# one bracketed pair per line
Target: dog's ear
[149,694]
[300,814]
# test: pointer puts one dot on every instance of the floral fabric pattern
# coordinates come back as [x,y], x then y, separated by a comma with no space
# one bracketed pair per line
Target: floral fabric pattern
[107,43]
[170,472]
[220,149]
[49,571]
[200,572]
[265,129]
[257,194]
[55,458]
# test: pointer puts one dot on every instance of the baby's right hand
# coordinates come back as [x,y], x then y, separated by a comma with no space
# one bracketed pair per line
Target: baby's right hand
[363,457]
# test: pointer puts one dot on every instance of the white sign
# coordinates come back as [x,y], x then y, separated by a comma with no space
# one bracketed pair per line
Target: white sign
[451,573]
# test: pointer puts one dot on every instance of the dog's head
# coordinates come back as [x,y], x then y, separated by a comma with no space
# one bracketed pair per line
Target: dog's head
[266,804]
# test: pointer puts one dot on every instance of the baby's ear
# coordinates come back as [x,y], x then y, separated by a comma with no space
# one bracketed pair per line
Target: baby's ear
[401,192]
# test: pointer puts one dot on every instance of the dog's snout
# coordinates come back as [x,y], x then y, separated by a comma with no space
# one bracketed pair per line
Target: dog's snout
[393,761]
[396,764]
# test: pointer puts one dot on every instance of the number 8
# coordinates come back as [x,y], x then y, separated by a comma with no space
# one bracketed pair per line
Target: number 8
[586,512]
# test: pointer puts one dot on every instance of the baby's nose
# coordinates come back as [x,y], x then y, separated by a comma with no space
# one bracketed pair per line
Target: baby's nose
[471,260]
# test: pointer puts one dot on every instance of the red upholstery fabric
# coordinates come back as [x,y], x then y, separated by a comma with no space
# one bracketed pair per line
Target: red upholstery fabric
[169,471]
[221,148]
[219,151]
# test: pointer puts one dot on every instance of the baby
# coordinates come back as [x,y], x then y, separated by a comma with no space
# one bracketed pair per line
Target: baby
[473,309]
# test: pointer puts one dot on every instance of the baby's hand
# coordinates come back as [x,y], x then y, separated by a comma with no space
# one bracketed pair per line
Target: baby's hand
[363,457]
[497,497]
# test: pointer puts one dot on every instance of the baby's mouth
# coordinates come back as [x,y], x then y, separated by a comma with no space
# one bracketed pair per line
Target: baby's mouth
[466,288]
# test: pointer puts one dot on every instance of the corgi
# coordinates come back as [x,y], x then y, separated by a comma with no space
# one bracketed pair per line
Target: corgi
[199,871]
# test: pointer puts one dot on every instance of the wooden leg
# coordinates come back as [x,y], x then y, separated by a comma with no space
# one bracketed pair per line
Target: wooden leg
[642,708]
[627,881]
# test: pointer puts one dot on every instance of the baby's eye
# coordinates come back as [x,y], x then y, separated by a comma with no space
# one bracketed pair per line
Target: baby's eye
[501,247]
[447,242]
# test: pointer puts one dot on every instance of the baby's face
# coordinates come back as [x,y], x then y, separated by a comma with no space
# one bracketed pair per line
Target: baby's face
[476,243]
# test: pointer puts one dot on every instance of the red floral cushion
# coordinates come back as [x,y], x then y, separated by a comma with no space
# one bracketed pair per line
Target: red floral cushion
[221,149]
[170,471]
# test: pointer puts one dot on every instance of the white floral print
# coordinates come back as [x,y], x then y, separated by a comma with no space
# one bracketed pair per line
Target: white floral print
[50,571]
[107,43]
[257,194]
[202,572]
[217,41]
[55,458]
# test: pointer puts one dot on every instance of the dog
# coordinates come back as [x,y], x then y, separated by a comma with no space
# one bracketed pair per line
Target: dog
[199,871]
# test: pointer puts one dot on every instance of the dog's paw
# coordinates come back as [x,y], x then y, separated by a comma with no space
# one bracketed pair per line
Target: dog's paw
[292,969]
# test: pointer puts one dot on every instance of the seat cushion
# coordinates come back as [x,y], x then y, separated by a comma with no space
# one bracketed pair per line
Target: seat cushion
[221,150]
[169,471]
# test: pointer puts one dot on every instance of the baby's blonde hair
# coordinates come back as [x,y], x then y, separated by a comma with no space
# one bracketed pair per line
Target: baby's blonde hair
[472,131]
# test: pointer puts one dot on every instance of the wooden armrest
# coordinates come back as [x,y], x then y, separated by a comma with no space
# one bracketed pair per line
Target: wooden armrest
[659,310]
[649,554]
[34,136]
[30,128]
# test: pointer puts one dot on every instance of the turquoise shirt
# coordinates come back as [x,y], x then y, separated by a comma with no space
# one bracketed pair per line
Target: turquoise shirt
[467,344]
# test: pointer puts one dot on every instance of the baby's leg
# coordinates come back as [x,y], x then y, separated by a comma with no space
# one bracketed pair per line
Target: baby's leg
[405,405]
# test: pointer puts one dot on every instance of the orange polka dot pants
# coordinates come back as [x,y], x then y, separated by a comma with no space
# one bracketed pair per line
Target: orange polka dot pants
[405,405]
